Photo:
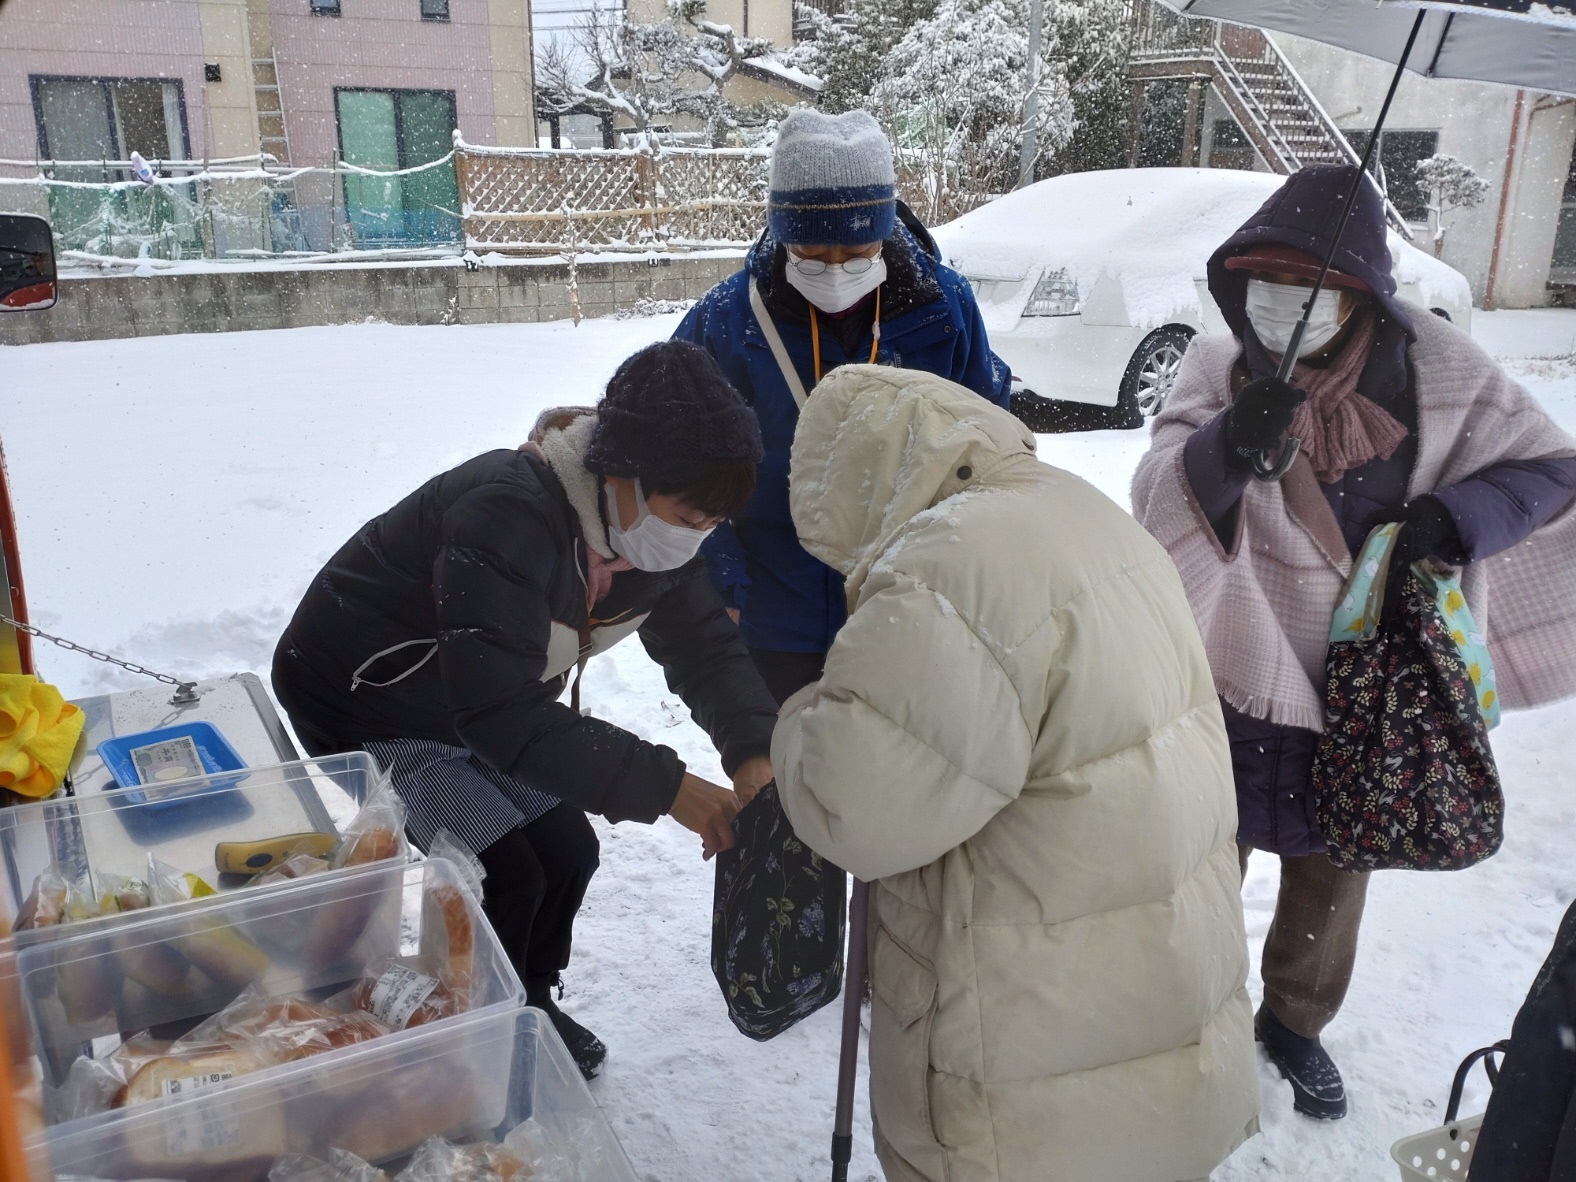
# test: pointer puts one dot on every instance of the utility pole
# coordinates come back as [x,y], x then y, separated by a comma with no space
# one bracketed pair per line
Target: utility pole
[1028,147]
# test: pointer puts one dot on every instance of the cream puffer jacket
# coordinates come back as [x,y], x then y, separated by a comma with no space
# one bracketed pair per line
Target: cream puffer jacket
[1018,742]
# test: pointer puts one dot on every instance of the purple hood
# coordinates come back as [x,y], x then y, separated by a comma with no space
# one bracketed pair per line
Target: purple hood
[1302,214]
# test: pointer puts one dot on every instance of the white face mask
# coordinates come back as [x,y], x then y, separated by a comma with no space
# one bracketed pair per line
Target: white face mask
[651,544]
[1274,309]
[834,289]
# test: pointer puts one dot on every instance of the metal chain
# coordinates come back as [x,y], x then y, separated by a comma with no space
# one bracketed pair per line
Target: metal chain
[185,691]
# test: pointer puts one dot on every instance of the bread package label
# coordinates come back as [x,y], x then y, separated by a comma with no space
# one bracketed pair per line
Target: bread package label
[193,1083]
[398,993]
[200,1130]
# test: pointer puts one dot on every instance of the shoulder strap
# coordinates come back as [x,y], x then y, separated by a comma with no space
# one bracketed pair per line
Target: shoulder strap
[779,350]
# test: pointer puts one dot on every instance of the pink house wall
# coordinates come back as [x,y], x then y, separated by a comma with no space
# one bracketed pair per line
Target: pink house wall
[381,44]
[101,39]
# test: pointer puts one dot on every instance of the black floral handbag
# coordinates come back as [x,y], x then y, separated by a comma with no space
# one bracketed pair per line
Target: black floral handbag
[777,923]
[1403,773]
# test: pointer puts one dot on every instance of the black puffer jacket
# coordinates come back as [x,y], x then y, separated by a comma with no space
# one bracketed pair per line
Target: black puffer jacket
[457,616]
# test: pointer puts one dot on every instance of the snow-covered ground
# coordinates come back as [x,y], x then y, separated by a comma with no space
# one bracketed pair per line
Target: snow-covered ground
[175,494]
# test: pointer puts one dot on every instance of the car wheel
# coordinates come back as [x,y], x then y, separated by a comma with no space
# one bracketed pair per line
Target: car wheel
[1152,370]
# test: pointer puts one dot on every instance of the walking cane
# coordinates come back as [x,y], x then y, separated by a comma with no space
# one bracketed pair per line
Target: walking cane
[855,974]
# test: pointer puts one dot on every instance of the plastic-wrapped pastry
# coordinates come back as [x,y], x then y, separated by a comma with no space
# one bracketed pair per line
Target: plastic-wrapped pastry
[442,1161]
[395,1113]
[403,996]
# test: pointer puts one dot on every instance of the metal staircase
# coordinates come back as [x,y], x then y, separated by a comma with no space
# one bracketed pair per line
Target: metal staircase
[1282,119]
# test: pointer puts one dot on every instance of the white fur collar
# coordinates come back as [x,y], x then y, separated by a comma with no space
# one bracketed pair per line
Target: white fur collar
[564,435]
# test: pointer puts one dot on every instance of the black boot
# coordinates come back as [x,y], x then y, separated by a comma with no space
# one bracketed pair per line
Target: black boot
[1316,1086]
[587,1050]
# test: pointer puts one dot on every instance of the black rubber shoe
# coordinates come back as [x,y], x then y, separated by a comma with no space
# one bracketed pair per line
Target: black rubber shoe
[587,1050]
[1316,1086]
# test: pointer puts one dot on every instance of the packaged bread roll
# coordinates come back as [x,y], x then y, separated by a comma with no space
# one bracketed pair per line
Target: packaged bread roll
[45,906]
[439,1160]
[376,833]
[396,1112]
[187,1073]
[448,935]
[403,995]
[201,1131]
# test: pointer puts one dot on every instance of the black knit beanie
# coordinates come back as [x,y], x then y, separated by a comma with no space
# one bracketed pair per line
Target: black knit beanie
[667,411]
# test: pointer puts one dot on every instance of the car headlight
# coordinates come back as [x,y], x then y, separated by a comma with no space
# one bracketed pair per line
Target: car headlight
[1056,294]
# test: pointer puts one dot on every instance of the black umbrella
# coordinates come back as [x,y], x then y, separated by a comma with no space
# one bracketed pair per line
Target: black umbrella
[1526,43]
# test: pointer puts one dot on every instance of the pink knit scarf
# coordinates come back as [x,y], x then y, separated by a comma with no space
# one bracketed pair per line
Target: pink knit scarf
[1339,428]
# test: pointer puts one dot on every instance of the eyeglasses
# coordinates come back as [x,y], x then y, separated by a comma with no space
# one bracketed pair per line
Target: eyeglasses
[857,265]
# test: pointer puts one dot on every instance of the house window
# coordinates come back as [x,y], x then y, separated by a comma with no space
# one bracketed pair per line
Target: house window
[434,10]
[108,119]
[392,131]
[1563,268]
[324,7]
[1395,166]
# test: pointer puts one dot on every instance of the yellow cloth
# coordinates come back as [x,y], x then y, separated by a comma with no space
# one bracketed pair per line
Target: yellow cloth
[38,732]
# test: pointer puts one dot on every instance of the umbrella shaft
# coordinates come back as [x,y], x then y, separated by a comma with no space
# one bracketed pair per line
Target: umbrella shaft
[1289,358]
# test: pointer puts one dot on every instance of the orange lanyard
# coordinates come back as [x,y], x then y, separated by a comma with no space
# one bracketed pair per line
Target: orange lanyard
[815,336]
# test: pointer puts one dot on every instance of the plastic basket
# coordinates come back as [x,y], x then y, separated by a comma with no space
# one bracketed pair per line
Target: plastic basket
[102,834]
[1445,1154]
[1439,1155]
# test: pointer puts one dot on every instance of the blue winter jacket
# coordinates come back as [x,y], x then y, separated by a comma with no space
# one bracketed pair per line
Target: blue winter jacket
[788,600]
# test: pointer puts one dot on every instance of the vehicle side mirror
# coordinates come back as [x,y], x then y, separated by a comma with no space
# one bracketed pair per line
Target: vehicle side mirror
[27,264]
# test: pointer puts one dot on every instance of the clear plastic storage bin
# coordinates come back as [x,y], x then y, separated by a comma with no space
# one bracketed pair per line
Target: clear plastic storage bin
[311,938]
[476,1077]
[102,836]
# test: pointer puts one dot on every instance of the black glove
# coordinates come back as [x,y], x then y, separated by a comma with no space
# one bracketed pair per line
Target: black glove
[1260,415]
[1426,529]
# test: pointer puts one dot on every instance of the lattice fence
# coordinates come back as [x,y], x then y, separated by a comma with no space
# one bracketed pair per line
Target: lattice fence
[712,197]
[521,201]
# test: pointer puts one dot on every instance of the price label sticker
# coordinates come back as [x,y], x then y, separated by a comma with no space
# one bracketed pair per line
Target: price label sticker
[398,993]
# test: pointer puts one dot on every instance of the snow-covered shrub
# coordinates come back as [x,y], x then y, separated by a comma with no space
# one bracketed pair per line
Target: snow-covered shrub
[1450,185]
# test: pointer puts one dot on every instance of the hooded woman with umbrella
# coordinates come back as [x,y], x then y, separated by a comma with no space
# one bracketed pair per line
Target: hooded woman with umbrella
[1400,418]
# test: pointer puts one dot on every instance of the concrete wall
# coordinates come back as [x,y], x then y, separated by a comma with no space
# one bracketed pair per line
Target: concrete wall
[1474,122]
[442,292]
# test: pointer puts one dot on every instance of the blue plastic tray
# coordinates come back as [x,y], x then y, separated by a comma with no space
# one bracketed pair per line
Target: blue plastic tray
[216,754]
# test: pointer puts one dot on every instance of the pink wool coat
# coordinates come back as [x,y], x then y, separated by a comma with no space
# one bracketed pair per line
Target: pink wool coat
[1264,605]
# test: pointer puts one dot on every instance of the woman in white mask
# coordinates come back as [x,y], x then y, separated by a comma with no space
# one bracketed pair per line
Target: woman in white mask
[1400,418]
[843,274]
[443,636]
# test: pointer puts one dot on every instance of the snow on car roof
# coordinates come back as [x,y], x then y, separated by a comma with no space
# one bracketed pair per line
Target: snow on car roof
[1153,229]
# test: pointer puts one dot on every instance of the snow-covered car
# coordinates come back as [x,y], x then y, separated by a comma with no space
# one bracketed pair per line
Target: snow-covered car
[1092,284]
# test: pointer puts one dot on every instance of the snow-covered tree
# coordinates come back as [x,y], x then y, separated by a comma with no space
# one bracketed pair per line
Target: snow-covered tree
[849,52]
[1450,185]
[649,73]
[953,94]
[1091,39]
[1084,45]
